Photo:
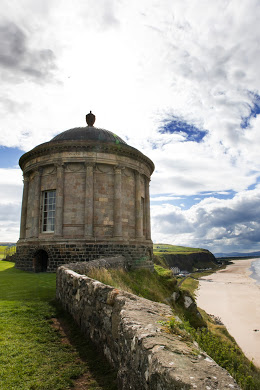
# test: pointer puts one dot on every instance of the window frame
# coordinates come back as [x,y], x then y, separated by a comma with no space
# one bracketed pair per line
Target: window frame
[48,211]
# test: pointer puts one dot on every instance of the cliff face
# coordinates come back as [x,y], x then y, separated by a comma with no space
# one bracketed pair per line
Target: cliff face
[190,261]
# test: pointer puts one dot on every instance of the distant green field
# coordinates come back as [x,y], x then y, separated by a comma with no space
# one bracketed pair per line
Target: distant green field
[160,248]
[2,251]
[6,250]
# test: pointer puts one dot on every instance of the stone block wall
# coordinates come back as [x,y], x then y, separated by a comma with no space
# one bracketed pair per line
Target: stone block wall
[75,210]
[60,253]
[130,332]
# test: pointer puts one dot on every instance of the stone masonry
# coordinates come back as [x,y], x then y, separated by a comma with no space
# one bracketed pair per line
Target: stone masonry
[136,255]
[100,201]
[130,332]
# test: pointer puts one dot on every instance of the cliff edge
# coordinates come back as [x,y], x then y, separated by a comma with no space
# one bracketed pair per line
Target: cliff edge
[186,259]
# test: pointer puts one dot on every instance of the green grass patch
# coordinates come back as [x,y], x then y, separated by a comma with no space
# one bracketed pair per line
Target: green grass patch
[159,259]
[31,352]
[2,251]
[155,286]
[175,249]
[6,250]
[191,284]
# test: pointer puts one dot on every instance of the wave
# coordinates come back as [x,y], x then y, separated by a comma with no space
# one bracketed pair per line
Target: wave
[255,268]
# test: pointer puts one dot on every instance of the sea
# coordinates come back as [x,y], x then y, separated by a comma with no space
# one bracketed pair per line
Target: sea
[255,269]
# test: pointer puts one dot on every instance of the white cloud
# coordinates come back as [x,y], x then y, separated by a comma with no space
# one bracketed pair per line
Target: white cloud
[10,204]
[164,198]
[10,177]
[136,64]
[216,224]
[17,61]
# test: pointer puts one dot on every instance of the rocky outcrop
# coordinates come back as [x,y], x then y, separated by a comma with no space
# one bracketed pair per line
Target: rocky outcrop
[131,332]
[189,262]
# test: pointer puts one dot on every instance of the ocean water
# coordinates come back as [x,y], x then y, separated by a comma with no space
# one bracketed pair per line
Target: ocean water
[255,268]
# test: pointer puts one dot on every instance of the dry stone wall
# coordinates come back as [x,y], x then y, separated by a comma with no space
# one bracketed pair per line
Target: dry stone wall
[130,332]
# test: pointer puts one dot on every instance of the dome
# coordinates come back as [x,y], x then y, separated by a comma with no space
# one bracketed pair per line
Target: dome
[89,133]
[87,139]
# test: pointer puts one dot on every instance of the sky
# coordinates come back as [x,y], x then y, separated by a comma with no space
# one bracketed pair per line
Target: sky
[177,79]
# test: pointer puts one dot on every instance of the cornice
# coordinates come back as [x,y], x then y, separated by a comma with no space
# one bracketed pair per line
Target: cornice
[86,146]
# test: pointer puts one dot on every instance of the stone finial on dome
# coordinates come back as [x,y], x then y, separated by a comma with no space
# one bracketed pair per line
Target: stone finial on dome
[90,118]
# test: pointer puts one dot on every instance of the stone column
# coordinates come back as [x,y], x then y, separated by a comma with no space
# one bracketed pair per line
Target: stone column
[89,201]
[24,206]
[118,202]
[147,208]
[59,200]
[36,207]
[138,209]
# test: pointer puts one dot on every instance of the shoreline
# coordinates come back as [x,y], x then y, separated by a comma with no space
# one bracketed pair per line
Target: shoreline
[233,296]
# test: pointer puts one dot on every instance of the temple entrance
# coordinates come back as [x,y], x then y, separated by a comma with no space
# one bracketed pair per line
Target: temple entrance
[40,261]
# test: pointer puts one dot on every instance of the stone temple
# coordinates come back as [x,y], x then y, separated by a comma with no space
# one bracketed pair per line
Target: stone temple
[85,196]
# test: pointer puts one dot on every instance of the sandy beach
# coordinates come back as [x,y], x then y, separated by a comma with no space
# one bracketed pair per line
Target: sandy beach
[235,297]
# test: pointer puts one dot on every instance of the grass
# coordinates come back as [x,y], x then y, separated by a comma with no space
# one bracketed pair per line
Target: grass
[191,283]
[154,286]
[2,251]
[32,354]
[167,248]
[6,250]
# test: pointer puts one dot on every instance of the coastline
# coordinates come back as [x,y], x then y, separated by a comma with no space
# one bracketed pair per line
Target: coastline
[234,296]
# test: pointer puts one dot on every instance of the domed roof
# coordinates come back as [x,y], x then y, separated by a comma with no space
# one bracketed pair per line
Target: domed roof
[87,139]
[89,133]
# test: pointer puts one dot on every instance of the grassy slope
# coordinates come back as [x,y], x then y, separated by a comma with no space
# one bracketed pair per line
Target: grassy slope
[32,354]
[154,286]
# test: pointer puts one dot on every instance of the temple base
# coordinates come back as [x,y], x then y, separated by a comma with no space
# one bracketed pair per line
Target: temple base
[46,257]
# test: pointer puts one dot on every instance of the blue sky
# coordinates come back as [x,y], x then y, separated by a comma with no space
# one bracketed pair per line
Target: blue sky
[9,157]
[177,80]
[185,202]
[179,126]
